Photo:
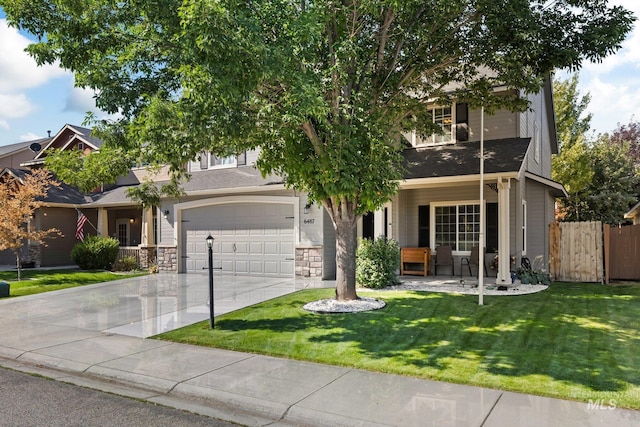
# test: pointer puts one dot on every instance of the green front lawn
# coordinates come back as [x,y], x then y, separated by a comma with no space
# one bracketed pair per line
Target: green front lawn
[37,281]
[573,341]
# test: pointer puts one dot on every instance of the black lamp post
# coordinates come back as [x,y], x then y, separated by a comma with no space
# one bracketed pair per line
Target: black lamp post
[210,246]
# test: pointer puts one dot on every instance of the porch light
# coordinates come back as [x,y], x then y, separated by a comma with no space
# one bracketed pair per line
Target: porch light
[165,214]
[209,241]
[307,207]
[132,220]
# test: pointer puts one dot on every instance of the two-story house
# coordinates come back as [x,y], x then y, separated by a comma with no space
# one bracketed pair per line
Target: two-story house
[262,228]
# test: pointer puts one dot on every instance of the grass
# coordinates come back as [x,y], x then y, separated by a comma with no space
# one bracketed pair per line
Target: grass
[573,341]
[38,281]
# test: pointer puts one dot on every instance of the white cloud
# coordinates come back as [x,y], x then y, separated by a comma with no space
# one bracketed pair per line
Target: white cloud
[15,106]
[612,103]
[29,137]
[19,71]
[80,100]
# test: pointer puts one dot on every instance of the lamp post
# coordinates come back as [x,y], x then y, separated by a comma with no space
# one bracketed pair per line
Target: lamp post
[210,248]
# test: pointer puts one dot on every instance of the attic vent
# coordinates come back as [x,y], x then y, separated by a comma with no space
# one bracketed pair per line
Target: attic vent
[80,146]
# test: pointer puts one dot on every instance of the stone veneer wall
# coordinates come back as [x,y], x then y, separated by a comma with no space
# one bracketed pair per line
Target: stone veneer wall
[33,255]
[147,256]
[309,261]
[167,259]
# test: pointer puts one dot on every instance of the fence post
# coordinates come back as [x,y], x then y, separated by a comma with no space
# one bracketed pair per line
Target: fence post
[607,246]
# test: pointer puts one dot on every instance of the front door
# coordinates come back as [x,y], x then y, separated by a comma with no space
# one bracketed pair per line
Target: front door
[122,231]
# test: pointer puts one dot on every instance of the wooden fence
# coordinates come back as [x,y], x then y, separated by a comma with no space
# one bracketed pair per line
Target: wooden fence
[576,251]
[622,258]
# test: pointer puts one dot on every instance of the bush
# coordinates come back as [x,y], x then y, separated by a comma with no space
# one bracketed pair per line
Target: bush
[377,262]
[95,253]
[127,263]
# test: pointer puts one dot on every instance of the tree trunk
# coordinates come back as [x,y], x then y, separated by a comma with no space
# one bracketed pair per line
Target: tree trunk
[346,241]
[18,266]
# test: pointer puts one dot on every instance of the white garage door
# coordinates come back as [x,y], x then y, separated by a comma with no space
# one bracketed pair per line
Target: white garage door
[249,238]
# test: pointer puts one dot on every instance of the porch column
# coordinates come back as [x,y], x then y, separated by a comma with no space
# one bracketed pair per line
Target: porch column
[146,239]
[504,257]
[380,222]
[103,222]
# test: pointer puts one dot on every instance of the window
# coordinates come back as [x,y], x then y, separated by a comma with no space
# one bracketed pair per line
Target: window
[524,227]
[80,146]
[443,117]
[210,161]
[215,161]
[453,120]
[457,225]
[536,142]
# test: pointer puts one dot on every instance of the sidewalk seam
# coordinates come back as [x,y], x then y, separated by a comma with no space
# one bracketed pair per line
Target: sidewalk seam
[491,410]
[284,414]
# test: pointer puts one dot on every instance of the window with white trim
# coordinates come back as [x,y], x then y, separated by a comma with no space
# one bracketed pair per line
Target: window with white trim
[211,161]
[456,224]
[524,227]
[536,142]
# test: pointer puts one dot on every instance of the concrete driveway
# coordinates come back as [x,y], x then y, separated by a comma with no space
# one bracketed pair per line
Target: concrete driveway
[143,306]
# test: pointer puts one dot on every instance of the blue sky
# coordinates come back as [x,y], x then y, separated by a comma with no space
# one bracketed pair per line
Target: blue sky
[35,99]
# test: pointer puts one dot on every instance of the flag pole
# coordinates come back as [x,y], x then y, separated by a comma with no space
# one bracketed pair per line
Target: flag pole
[90,223]
[481,236]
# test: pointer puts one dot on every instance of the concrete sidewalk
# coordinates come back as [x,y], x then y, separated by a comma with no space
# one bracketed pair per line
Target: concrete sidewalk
[93,336]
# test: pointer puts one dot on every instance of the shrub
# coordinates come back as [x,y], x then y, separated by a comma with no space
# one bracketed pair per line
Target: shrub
[377,262]
[96,253]
[127,263]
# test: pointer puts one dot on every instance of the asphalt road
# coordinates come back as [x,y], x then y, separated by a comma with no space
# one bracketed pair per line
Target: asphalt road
[27,400]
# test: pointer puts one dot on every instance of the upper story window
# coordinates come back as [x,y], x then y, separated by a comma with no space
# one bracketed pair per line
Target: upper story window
[211,161]
[80,146]
[452,119]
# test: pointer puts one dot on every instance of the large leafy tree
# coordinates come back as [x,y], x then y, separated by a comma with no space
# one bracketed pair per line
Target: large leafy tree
[325,88]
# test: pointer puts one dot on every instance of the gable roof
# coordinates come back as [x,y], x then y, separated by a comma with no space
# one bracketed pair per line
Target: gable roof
[7,150]
[77,133]
[463,158]
[65,194]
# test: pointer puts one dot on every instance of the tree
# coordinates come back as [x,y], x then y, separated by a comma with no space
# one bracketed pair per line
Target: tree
[612,189]
[324,88]
[89,172]
[572,165]
[20,197]
[630,134]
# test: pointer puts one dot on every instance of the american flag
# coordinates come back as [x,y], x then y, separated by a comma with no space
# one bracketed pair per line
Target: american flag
[80,225]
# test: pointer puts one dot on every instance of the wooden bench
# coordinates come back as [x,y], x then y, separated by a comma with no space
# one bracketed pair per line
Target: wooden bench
[415,256]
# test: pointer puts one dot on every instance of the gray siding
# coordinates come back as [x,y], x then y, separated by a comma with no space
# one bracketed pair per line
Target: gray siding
[538,219]
[502,124]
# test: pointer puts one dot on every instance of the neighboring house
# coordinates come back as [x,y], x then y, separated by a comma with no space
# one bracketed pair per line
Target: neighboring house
[634,214]
[262,228]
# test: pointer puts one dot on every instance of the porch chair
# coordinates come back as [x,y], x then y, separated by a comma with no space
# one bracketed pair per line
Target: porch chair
[443,258]
[474,259]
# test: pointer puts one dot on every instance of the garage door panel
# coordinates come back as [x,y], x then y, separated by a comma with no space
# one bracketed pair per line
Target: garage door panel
[286,247]
[287,268]
[257,248]
[242,267]
[272,248]
[241,248]
[256,267]
[226,248]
